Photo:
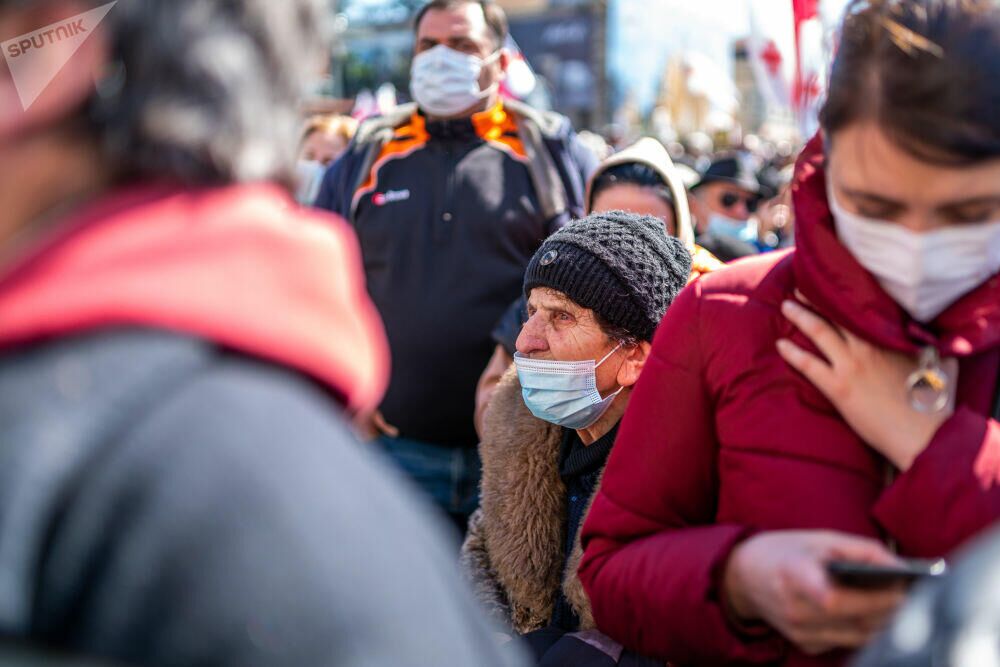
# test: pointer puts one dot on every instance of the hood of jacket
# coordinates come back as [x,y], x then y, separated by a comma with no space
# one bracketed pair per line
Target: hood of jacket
[241,266]
[650,152]
[841,289]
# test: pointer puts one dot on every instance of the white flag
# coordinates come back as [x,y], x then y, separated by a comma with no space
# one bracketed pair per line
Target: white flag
[772,50]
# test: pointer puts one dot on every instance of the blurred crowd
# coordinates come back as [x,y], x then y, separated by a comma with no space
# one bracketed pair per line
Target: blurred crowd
[456,384]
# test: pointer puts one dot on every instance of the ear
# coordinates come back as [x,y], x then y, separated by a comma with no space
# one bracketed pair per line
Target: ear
[635,361]
[697,209]
[66,80]
[503,59]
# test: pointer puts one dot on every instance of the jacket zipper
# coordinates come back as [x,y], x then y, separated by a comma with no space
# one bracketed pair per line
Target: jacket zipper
[448,216]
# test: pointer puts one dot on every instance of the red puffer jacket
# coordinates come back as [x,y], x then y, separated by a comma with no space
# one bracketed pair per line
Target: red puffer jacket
[722,439]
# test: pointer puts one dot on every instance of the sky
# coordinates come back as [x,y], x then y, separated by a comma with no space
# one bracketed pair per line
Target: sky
[643,34]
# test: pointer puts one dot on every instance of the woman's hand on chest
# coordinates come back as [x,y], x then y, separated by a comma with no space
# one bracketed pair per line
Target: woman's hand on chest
[867,385]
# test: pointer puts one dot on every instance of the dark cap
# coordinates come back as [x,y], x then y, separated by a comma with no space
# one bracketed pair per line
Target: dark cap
[731,168]
[621,265]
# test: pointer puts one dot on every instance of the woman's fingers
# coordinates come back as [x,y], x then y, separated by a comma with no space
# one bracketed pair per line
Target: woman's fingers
[815,369]
[825,336]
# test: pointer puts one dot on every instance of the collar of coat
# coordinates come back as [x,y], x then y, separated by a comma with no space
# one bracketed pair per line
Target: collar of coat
[524,511]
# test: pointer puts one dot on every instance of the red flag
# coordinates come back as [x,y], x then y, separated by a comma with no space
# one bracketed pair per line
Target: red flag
[810,67]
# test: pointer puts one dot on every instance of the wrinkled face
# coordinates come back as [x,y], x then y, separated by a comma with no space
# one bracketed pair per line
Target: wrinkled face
[874,178]
[323,147]
[464,29]
[725,199]
[636,199]
[560,330]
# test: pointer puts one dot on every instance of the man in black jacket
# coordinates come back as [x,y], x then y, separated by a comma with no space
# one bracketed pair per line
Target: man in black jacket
[179,345]
[450,198]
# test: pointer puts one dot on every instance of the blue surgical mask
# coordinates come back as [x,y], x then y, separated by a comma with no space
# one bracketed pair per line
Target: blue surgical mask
[722,225]
[563,393]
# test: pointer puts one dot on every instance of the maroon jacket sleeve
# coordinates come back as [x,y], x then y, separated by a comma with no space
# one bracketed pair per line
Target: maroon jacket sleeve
[952,490]
[654,557]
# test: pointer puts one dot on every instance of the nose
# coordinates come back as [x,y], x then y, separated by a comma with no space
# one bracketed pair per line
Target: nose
[532,337]
[739,210]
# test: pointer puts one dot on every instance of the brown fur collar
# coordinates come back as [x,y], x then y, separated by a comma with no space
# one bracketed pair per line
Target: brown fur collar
[524,511]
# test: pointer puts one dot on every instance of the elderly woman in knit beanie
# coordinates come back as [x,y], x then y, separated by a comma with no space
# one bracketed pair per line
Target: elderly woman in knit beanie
[640,179]
[596,292]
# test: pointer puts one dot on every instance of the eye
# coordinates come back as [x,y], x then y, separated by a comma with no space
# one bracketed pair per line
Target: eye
[465,46]
[970,214]
[877,211]
[562,316]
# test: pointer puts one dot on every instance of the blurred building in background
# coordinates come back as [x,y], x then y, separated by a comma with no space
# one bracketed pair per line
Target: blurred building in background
[720,69]
[565,42]
[756,114]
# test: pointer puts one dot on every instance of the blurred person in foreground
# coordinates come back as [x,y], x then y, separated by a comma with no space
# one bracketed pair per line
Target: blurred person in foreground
[596,291]
[949,621]
[450,198]
[325,138]
[835,401]
[179,343]
[641,179]
[723,202]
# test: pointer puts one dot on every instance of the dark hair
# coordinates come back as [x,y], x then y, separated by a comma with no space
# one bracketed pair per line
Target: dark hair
[619,335]
[631,173]
[496,20]
[925,71]
[203,92]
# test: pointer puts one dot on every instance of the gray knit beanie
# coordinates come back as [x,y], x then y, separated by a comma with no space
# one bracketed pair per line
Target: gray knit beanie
[621,265]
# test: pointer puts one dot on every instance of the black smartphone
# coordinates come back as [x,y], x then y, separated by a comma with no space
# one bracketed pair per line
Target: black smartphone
[853,574]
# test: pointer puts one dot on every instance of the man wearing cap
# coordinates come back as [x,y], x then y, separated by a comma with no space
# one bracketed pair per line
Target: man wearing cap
[723,202]
[596,291]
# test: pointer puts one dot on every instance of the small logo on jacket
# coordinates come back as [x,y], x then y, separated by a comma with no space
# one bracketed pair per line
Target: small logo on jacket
[390,196]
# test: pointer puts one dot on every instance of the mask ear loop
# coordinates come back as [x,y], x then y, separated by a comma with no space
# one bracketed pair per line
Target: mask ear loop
[486,62]
[606,357]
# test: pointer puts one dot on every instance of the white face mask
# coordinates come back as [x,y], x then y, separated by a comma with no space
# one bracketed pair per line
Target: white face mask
[310,176]
[923,272]
[445,82]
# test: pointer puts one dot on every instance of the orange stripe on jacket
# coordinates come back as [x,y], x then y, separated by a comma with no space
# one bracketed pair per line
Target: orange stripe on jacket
[702,262]
[495,126]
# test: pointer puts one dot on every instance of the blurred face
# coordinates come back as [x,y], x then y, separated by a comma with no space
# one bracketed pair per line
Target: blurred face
[775,215]
[636,199]
[43,162]
[463,28]
[323,147]
[724,199]
[872,177]
[560,330]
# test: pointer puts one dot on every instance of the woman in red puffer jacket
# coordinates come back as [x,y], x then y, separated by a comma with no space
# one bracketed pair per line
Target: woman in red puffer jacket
[834,402]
